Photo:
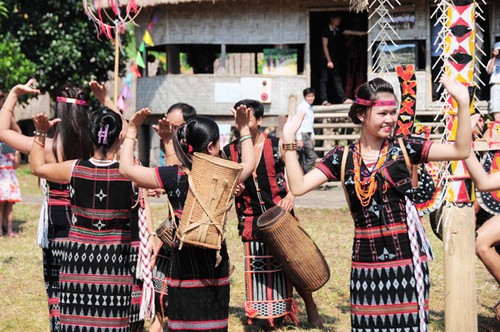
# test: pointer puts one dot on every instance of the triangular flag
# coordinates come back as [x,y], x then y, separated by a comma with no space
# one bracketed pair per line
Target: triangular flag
[128,79]
[147,38]
[135,70]
[142,48]
[139,61]
[150,26]
[125,92]
[121,104]
[154,19]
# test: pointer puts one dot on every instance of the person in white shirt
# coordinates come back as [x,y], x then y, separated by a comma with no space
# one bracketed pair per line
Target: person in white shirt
[493,68]
[305,143]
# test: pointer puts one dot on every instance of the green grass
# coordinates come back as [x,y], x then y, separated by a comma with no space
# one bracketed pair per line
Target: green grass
[23,302]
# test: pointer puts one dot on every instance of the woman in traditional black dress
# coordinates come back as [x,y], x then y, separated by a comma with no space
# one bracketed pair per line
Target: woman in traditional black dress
[389,274]
[69,140]
[96,273]
[198,278]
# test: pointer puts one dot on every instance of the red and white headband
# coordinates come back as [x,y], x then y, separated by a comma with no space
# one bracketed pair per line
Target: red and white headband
[72,101]
[364,102]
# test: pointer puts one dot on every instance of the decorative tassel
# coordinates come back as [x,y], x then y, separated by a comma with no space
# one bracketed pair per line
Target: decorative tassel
[42,234]
[132,7]
[412,212]
[147,309]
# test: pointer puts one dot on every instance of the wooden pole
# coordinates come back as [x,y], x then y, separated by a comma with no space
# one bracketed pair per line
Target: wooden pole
[117,58]
[459,269]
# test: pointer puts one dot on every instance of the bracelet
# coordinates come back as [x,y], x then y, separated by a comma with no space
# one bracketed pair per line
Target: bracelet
[152,234]
[39,133]
[289,146]
[41,144]
[244,138]
[132,138]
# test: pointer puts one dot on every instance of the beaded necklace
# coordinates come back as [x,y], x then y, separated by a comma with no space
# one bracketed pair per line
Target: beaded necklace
[366,185]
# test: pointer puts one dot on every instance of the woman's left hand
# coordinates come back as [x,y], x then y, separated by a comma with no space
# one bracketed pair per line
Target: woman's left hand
[287,203]
[165,129]
[138,119]
[42,123]
[457,90]
[291,127]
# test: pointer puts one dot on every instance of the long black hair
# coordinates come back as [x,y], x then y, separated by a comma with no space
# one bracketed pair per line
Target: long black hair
[368,91]
[106,126]
[194,136]
[72,129]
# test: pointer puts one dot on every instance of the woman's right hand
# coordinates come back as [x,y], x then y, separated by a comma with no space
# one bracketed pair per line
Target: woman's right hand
[291,127]
[42,123]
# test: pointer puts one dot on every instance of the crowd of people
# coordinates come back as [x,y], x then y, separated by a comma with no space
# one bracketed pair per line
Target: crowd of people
[91,219]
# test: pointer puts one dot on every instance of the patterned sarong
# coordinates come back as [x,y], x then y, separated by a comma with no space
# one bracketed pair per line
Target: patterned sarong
[269,294]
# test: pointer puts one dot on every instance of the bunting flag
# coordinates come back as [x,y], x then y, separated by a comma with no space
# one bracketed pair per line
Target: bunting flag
[135,70]
[126,92]
[139,61]
[147,38]
[128,79]
[121,104]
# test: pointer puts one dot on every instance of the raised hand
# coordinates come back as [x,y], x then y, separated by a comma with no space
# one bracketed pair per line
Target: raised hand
[291,127]
[241,116]
[138,118]
[42,123]
[99,90]
[457,90]
[23,89]
[165,129]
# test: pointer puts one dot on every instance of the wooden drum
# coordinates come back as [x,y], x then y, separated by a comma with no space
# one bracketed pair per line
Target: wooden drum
[299,256]
[211,185]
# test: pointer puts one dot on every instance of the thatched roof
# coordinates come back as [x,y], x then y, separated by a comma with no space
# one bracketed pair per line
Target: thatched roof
[150,3]
[356,5]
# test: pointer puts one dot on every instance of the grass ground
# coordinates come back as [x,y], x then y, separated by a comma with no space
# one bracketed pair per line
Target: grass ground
[23,302]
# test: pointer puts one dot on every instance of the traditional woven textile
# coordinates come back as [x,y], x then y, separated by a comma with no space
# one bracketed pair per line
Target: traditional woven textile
[197,278]
[96,271]
[269,294]
[58,219]
[386,285]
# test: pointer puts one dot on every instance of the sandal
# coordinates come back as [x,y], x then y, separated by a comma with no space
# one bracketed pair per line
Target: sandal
[11,234]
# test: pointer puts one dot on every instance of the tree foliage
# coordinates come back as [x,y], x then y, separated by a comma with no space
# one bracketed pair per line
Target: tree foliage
[58,37]
[14,67]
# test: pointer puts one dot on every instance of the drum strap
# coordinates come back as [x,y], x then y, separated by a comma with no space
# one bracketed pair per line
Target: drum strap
[342,175]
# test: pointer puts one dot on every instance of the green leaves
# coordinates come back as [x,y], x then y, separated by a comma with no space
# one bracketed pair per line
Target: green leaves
[14,66]
[60,40]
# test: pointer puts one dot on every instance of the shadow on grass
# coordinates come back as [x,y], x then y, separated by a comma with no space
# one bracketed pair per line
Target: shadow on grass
[485,323]
[280,323]
[17,226]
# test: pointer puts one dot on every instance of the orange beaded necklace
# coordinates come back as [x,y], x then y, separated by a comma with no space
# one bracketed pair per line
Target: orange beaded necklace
[366,186]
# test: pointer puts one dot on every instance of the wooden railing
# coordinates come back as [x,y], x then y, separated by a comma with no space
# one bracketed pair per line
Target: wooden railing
[333,126]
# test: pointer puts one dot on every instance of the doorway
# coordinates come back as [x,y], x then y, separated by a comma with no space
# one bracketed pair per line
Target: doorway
[352,57]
